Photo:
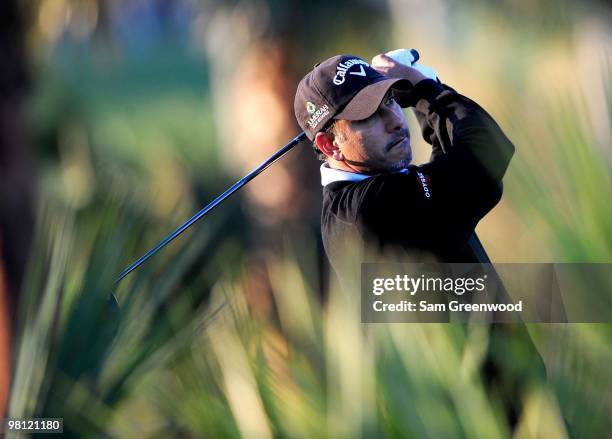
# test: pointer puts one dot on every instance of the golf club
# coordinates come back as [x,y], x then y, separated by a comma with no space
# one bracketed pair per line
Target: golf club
[244,180]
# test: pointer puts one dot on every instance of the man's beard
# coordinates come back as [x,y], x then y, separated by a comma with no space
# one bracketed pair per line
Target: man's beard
[401,164]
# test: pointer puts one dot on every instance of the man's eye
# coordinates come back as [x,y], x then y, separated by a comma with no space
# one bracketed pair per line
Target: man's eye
[390,100]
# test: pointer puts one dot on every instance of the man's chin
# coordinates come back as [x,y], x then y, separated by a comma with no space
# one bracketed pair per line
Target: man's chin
[399,166]
[402,164]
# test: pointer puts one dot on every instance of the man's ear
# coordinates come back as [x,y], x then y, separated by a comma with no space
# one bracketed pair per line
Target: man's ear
[327,146]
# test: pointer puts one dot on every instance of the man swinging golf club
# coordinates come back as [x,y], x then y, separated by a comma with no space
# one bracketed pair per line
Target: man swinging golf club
[372,194]
[377,204]
[352,113]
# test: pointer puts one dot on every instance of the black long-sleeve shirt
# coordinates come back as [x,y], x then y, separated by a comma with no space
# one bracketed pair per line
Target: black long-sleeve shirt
[430,211]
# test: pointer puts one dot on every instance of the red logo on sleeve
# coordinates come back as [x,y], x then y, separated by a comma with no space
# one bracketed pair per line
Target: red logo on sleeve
[424,183]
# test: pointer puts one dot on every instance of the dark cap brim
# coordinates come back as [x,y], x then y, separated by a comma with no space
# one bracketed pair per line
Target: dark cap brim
[367,101]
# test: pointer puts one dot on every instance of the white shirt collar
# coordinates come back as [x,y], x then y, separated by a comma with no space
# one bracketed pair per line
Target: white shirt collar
[331,175]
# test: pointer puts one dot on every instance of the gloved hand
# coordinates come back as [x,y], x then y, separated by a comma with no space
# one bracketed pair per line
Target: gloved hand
[409,57]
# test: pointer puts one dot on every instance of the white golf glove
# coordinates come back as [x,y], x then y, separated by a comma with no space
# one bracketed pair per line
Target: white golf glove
[409,57]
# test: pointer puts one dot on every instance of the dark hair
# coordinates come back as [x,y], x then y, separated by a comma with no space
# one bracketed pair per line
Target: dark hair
[330,130]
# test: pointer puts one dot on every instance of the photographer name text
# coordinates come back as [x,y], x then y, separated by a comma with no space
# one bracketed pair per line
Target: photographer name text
[407,285]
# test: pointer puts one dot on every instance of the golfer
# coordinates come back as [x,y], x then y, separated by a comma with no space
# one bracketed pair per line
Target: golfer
[373,197]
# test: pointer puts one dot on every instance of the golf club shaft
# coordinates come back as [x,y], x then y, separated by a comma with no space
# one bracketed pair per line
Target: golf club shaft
[244,180]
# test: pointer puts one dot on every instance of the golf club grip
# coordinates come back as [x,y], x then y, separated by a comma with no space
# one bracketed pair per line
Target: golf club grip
[210,206]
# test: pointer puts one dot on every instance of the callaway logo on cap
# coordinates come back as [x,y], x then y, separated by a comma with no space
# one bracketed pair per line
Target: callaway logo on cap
[342,87]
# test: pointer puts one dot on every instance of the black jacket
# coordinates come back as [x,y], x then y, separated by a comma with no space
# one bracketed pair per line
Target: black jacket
[429,212]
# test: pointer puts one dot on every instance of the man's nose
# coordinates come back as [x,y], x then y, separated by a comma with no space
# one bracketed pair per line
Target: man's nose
[394,120]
